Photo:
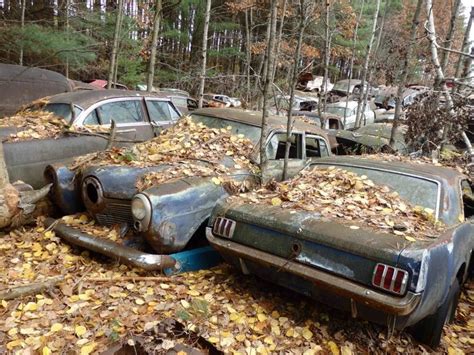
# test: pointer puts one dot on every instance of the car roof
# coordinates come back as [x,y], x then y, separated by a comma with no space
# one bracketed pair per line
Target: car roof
[87,98]
[342,103]
[353,81]
[254,118]
[19,72]
[429,171]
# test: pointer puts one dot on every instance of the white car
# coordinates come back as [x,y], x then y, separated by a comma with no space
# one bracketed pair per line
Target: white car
[348,115]
[317,84]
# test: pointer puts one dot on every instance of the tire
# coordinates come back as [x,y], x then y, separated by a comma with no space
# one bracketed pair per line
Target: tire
[430,329]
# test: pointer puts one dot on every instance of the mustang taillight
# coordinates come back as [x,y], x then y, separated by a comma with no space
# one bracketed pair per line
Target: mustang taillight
[224,227]
[390,278]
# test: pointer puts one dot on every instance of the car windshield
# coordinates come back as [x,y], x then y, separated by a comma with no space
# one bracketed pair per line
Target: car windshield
[341,86]
[62,110]
[416,190]
[337,110]
[250,132]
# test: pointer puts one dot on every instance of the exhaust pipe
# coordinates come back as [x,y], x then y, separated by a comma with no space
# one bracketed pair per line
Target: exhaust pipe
[121,253]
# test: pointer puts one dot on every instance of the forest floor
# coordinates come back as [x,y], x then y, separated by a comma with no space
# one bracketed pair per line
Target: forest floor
[101,305]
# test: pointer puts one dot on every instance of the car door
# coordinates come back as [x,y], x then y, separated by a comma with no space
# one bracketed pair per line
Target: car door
[162,114]
[275,151]
[315,147]
[128,115]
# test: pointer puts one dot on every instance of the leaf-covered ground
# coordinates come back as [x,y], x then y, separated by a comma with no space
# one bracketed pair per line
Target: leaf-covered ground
[100,302]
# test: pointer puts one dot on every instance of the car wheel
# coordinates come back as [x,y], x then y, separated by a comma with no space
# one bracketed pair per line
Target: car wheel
[430,329]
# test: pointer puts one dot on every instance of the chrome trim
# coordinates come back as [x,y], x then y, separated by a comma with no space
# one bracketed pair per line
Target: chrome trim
[400,306]
[143,224]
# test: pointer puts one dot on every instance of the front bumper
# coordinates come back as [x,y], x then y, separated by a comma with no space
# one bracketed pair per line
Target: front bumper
[121,253]
[399,306]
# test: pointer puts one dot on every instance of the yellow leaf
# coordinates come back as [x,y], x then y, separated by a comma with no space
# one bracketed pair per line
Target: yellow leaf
[345,350]
[410,239]
[185,304]
[307,334]
[354,227]
[213,340]
[334,348]
[46,351]
[83,218]
[4,304]
[193,293]
[88,348]
[30,306]
[139,301]
[261,317]
[164,286]
[56,327]
[216,180]
[240,337]
[13,344]
[13,331]
[276,201]
[80,330]
[268,340]
[290,332]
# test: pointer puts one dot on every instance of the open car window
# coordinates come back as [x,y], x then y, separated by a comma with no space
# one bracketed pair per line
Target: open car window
[315,147]
[276,146]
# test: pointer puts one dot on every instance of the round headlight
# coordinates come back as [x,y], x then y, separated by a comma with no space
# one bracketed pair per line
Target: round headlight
[138,208]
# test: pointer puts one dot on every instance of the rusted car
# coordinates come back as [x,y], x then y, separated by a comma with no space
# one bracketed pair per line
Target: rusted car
[19,85]
[372,138]
[138,117]
[169,214]
[374,274]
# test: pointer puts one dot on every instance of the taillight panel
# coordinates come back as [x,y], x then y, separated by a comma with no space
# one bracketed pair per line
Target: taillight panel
[224,227]
[390,279]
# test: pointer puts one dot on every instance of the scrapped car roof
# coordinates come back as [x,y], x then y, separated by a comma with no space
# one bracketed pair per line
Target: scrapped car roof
[350,104]
[254,118]
[18,72]
[87,98]
[393,163]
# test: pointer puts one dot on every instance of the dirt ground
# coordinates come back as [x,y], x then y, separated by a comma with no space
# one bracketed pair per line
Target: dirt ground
[100,305]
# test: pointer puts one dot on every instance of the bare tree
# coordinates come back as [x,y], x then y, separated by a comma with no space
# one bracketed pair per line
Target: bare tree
[207,16]
[248,53]
[431,34]
[289,125]
[280,36]
[351,66]
[465,44]
[363,83]
[269,59]
[327,57]
[154,46]
[113,55]
[404,75]
[22,23]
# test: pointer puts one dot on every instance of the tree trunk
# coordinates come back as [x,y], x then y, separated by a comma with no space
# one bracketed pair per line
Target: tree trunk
[366,66]
[268,81]
[449,37]
[280,36]
[440,77]
[154,46]
[464,47]
[113,55]
[327,56]
[404,75]
[289,124]
[23,7]
[207,15]
[351,65]
[248,54]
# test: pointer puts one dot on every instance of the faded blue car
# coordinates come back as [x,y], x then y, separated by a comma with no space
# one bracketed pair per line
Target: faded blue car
[373,275]
[169,214]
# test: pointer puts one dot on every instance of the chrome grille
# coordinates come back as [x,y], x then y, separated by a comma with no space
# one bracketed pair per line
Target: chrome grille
[115,213]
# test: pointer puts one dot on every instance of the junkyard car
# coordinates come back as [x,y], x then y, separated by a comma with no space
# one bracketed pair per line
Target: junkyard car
[348,115]
[375,274]
[372,138]
[353,86]
[169,213]
[138,117]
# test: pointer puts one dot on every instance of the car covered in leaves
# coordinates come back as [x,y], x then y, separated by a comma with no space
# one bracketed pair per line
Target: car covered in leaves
[372,138]
[388,241]
[166,188]
[63,126]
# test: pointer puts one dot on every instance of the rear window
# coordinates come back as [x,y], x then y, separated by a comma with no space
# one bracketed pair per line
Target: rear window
[62,110]
[416,190]
[250,132]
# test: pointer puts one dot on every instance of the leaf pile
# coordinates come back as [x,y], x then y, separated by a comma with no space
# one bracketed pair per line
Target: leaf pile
[335,193]
[188,148]
[99,303]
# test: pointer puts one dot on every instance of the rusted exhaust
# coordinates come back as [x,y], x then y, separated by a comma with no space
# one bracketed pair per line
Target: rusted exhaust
[121,253]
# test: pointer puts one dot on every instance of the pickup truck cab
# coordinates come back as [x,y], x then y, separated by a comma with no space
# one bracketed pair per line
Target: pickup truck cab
[379,276]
